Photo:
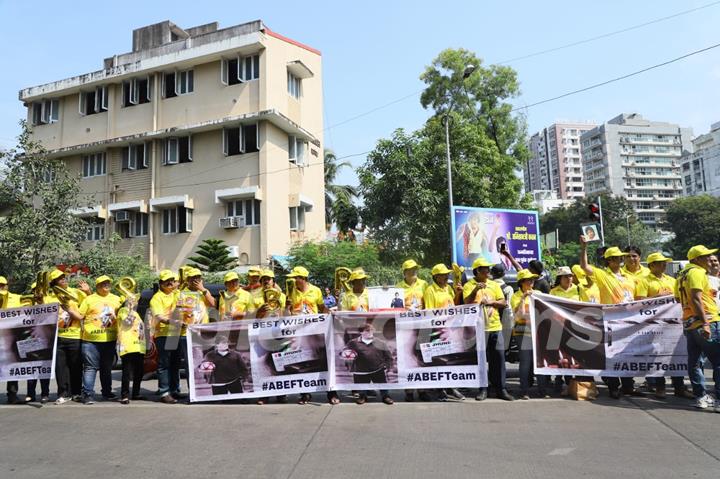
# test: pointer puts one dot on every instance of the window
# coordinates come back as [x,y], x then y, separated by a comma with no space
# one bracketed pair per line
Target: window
[46,111]
[95,231]
[178,83]
[296,150]
[243,139]
[93,165]
[136,157]
[249,209]
[178,150]
[92,102]
[294,85]
[177,220]
[239,70]
[135,226]
[297,218]
[136,91]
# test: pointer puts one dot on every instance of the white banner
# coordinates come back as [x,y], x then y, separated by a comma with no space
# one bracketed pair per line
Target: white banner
[27,342]
[641,338]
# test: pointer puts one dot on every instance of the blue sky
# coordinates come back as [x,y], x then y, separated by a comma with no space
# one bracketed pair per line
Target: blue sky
[373,53]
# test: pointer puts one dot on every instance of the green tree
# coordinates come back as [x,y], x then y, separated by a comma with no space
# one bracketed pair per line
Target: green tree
[213,255]
[345,214]
[335,192]
[38,193]
[404,179]
[693,220]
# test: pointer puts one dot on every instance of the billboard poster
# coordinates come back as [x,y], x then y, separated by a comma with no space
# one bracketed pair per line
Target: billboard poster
[484,232]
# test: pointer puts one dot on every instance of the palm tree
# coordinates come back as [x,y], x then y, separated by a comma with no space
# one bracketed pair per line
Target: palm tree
[332,190]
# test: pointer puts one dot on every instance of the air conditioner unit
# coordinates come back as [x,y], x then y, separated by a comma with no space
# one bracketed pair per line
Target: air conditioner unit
[233,251]
[122,216]
[232,222]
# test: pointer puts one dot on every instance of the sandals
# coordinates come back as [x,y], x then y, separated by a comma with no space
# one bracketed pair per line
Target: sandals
[304,398]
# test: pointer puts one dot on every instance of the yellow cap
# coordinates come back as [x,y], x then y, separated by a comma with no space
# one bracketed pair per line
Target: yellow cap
[192,272]
[481,263]
[254,271]
[267,273]
[103,279]
[230,276]
[699,250]
[613,252]
[3,280]
[440,269]
[55,274]
[525,274]
[655,257]
[166,274]
[357,273]
[578,271]
[409,264]
[299,271]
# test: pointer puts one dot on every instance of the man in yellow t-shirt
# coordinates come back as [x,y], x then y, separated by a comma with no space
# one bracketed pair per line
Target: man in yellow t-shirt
[267,279]
[440,294]
[99,332]
[357,298]
[700,313]
[167,329]
[235,302]
[615,287]
[254,287]
[9,300]
[632,267]
[413,287]
[589,292]
[488,294]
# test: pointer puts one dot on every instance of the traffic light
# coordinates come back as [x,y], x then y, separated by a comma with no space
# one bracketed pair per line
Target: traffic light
[594,212]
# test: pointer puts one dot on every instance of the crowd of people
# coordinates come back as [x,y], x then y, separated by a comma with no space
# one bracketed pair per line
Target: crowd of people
[94,326]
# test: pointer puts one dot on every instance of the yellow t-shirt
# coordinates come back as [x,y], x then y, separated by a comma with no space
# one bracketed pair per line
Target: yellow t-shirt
[13,301]
[239,301]
[695,277]
[131,333]
[413,294]
[492,292]
[256,293]
[590,294]
[572,293]
[68,328]
[355,302]
[637,275]
[99,324]
[436,297]
[522,315]
[651,286]
[614,288]
[306,302]
[163,304]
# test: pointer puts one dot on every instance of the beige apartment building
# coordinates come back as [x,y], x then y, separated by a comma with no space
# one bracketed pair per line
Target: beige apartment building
[197,133]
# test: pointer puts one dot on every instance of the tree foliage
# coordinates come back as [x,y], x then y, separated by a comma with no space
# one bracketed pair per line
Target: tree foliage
[213,255]
[693,220]
[321,258]
[37,229]
[338,198]
[404,179]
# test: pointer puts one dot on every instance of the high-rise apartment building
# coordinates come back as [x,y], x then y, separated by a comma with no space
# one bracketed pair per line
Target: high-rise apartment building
[637,159]
[701,167]
[197,133]
[555,163]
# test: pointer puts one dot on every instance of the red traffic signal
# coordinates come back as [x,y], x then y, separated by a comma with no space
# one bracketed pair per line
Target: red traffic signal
[594,209]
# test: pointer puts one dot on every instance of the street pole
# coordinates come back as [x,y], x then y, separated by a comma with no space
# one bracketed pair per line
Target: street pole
[602,230]
[627,227]
[449,173]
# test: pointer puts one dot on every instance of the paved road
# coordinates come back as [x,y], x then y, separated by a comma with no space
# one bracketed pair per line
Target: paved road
[537,438]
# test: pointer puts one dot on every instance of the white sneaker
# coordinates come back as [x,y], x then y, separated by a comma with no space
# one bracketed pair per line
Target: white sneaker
[704,402]
[61,400]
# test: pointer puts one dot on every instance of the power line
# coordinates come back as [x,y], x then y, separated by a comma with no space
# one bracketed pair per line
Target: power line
[609,34]
[623,77]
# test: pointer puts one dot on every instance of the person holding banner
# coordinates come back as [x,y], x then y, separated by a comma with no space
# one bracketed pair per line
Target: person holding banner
[99,332]
[656,283]
[632,266]
[357,298]
[564,286]
[486,292]
[520,304]
[306,298]
[700,313]
[615,287]
[167,329]
[268,281]
[235,302]
[589,292]
[254,287]
[9,300]
[413,287]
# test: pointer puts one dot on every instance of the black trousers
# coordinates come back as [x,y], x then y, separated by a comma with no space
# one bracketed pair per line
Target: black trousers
[234,387]
[68,367]
[44,388]
[613,384]
[12,390]
[132,368]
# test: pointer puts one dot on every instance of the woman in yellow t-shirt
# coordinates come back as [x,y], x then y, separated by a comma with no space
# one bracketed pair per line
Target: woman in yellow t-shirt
[520,304]
[564,286]
[131,348]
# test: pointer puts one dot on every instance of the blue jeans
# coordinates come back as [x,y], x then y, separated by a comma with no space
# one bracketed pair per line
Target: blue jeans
[526,367]
[171,351]
[97,357]
[697,346]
